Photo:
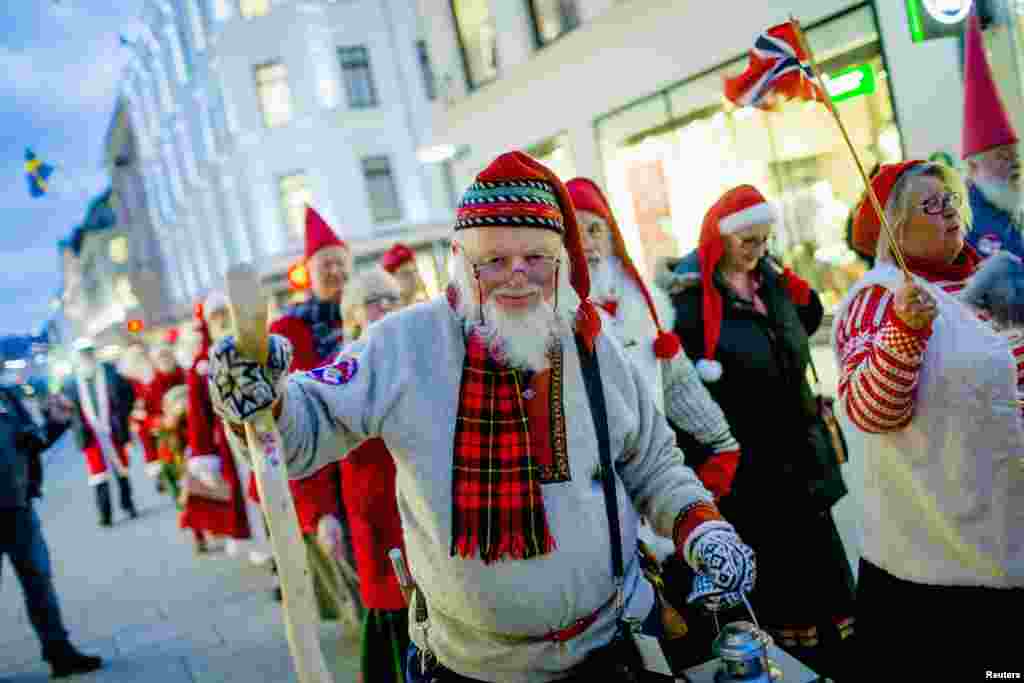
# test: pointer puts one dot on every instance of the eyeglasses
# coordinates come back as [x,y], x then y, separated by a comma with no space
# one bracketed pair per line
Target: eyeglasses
[380,300]
[538,268]
[933,206]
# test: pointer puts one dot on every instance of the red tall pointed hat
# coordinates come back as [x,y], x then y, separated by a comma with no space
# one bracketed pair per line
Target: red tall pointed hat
[986,124]
[319,234]
[587,196]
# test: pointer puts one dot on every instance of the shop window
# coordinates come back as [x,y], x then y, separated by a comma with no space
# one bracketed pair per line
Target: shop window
[294,196]
[254,8]
[426,70]
[355,67]
[553,18]
[381,190]
[118,250]
[274,95]
[478,39]
[670,156]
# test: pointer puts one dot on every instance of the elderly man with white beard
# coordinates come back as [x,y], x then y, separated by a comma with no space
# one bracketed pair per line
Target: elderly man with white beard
[484,399]
[993,160]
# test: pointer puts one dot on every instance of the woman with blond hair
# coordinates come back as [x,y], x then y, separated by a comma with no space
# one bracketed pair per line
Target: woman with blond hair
[936,390]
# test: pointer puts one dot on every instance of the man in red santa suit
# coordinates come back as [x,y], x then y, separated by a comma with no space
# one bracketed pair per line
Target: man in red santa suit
[103,401]
[166,374]
[315,329]
[210,461]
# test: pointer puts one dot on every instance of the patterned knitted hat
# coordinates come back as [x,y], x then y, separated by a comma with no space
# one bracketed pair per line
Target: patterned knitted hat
[516,190]
[395,257]
[866,224]
[319,234]
[738,209]
[587,196]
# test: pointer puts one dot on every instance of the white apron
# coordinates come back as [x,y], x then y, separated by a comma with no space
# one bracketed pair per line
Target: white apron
[944,497]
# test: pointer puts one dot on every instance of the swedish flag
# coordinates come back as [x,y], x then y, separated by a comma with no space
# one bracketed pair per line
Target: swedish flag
[37,173]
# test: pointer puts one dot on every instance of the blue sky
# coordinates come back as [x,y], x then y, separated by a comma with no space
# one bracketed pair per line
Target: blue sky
[60,65]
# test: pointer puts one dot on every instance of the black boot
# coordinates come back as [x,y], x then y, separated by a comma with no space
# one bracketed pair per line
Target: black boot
[66,661]
[103,503]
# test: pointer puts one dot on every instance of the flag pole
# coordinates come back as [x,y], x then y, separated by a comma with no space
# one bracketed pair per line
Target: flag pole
[897,252]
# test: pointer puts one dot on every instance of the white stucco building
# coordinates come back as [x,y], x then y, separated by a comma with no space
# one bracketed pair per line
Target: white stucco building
[249,109]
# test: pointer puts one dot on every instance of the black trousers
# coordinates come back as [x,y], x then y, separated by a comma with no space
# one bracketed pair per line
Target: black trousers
[908,630]
[103,503]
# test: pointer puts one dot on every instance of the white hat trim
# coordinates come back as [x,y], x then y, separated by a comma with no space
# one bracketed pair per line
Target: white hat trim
[752,215]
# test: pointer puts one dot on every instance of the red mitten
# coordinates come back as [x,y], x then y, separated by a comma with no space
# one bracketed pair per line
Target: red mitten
[798,289]
[718,471]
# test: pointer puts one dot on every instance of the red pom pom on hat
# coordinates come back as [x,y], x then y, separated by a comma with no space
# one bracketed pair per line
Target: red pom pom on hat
[395,257]
[667,345]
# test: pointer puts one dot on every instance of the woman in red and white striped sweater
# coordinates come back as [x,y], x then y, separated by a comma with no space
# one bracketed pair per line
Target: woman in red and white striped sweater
[935,387]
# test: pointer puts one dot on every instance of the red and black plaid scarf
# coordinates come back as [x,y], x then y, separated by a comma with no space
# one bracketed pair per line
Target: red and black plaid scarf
[497,504]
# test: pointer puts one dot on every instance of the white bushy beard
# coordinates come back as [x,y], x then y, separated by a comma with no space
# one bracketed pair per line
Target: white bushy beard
[1004,195]
[606,279]
[520,339]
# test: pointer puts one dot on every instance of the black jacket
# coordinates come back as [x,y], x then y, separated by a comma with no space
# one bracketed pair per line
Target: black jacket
[122,400]
[763,389]
[21,445]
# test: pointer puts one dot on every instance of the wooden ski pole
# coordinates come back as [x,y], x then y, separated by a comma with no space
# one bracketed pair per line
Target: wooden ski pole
[249,310]
[872,197]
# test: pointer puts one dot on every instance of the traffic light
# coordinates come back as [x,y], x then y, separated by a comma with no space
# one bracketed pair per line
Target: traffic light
[135,326]
[298,276]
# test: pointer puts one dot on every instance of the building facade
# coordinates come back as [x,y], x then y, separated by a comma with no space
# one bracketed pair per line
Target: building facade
[248,110]
[630,93]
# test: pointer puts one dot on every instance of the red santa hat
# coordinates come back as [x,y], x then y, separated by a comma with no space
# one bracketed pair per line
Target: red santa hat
[986,124]
[318,234]
[587,196]
[516,190]
[395,257]
[867,225]
[171,336]
[736,210]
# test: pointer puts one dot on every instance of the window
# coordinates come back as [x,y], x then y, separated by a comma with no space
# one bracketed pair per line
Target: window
[553,18]
[195,14]
[177,53]
[381,190]
[355,65]
[294,194]
[254,8]
[274,94]
[118,248]
[478,40]
[795,157]
[425,69]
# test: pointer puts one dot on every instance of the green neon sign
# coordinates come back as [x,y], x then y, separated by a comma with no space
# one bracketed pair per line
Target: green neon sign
[852,82]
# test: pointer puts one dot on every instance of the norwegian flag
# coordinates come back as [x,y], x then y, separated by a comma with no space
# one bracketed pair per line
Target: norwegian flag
[776,69]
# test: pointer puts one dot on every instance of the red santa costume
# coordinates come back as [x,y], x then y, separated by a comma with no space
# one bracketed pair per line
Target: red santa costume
[315,329]
[152,400]
[210,458]
[138,370]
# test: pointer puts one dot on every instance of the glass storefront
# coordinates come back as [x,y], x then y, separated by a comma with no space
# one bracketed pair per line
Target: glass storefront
[668,157]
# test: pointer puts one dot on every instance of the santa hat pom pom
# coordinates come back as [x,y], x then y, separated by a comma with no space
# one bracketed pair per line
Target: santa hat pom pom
[710,371]
[588,322]
[667,345]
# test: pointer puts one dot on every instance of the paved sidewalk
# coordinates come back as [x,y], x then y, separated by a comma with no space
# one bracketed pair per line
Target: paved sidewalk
[137,595]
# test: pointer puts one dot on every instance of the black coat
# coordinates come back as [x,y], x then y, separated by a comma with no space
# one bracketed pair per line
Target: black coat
[21,445]
[122,401]
[763,389]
